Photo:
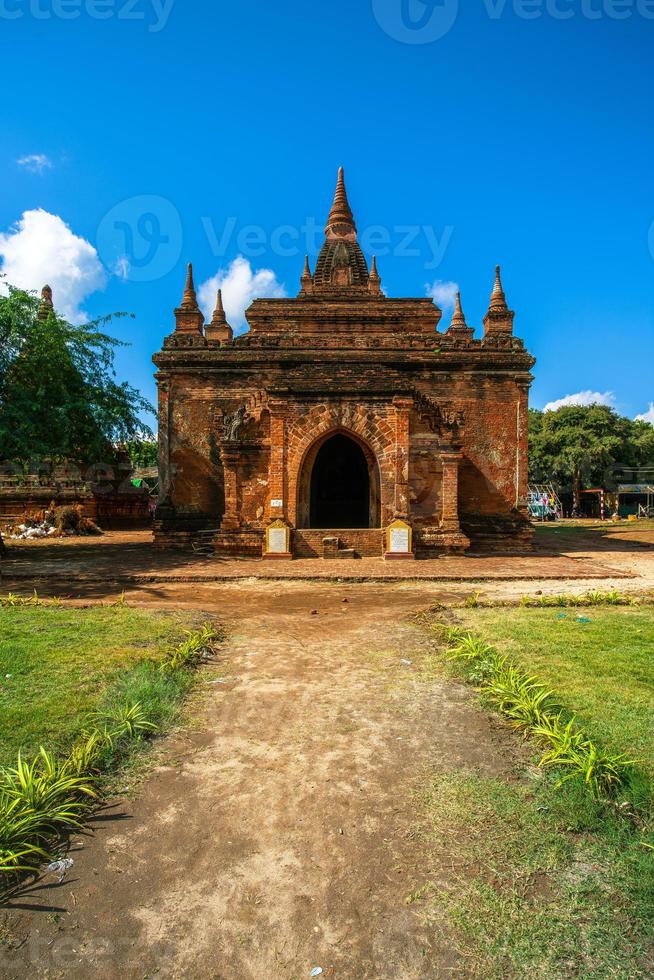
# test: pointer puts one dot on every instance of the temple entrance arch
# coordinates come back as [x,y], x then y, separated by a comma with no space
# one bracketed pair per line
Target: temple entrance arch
[339,484]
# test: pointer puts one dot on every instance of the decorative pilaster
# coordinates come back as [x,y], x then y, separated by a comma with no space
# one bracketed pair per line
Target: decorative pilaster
[229,456]
[277,502]
[522,448]
[450,459]
[403,408]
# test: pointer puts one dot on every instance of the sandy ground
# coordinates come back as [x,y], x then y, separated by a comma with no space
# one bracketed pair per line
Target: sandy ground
[276,834]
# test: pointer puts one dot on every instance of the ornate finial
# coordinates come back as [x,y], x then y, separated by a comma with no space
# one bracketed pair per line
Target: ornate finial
[46,306]
[499,318]
[219,329]
[188,316]
[374,280]
[189,299]
[498,299]
[458,317]
[340,223]
[219,312]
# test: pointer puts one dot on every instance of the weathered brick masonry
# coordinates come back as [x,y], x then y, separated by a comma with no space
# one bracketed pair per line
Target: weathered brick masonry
[340,411]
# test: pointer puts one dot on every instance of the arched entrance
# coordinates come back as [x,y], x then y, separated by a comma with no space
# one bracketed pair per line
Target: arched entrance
[340,485]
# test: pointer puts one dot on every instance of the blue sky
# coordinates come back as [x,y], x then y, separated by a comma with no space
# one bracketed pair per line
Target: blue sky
[170,131]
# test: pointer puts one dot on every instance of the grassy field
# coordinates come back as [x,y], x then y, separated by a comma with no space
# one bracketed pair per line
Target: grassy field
[57,664]
[552,883]
[602,670]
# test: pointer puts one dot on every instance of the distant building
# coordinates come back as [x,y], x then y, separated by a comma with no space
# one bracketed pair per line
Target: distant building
[342,412]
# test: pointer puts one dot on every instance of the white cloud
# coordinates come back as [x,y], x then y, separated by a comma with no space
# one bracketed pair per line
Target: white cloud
[240,286]
[647,416]
[583,398]
[36,163]
[40,248]
[443,293]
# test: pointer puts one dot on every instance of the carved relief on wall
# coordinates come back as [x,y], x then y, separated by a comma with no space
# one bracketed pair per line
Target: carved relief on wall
[442,418]
[233,424]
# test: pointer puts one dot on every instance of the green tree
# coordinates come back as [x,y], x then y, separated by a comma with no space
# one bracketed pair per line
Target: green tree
[142,452]
[58,393]
[575,445]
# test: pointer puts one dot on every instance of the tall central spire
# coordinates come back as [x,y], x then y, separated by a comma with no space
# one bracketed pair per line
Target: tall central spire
[340,223]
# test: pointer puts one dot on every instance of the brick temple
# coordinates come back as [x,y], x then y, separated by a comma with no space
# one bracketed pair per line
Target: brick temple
[343,422]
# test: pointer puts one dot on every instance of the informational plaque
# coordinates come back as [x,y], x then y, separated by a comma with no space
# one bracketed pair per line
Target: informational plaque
[278,540]
[399,540]
[276,503]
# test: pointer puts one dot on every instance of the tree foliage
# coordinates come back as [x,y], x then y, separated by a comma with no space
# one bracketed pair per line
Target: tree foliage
[576,446]
[142,452]
[58,393]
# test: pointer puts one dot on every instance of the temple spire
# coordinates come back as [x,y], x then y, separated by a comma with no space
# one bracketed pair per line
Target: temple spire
[306,279]
[498,299]
[499,319]
[219,329]
[458,326]
[189,299]
[458,317]
[219,312]
[374,281]
[188,316]
[340,223]
[46,307]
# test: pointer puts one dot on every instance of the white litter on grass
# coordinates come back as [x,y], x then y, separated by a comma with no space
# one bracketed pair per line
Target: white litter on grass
[407,663]
[317,970]
[60,867]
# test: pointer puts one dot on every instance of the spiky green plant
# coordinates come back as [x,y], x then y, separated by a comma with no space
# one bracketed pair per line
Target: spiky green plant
[125,720]
[191,652]
[470,647]
[522,699]
[46,787]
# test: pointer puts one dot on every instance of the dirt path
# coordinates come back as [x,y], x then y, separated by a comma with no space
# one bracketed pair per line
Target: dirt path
[276,836]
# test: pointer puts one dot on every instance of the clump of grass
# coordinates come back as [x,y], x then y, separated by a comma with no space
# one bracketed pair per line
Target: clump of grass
[593,598]
[11,600]
[532,708]
[51,795]
[197,647]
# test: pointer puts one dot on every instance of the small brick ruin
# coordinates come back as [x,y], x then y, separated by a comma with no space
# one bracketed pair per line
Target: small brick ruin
[339,413]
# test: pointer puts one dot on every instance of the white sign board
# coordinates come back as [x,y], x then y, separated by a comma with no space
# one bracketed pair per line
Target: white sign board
[277,540]
[399,540]
[276,503]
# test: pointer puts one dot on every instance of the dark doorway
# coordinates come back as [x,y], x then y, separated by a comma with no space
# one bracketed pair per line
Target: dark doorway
[340,485]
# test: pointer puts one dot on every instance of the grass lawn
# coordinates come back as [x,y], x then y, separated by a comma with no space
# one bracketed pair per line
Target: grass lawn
[551,883]
[602,671]
[57,664]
